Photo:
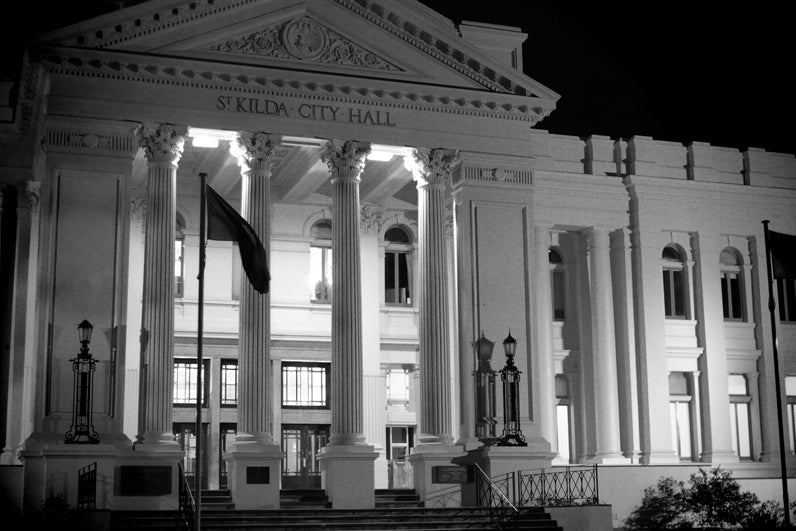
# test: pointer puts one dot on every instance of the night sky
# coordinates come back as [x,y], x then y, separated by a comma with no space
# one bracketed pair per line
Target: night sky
[679,71]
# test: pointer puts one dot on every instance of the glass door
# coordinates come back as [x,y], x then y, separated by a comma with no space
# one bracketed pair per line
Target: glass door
[300,446]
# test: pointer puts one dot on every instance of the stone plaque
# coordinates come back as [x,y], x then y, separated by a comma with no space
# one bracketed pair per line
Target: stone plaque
[451,474]
[143,480]
[258,475]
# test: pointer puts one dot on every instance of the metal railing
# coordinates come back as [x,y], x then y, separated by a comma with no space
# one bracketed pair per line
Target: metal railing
[571,486]
[187,504]
[87,487]
[494,494]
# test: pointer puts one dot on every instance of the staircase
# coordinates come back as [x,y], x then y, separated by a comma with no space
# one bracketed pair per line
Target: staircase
[390,519]
[308,509]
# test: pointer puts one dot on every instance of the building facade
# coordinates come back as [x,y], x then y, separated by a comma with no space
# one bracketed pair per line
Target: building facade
[413,210]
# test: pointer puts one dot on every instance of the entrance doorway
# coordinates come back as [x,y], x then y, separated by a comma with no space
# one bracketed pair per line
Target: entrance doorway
[300,446]
[185,433]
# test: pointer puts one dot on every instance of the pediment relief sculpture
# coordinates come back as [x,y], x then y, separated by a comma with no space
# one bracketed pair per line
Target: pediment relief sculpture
[305,39]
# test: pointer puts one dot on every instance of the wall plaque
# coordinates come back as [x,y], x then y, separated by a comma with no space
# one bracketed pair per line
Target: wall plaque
[142,480]
[258,475]
[451,474]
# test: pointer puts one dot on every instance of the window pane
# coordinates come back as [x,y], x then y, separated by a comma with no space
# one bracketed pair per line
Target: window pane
[229,383]
[744,439]
[562,413]
[389,277]
[735,290]
[679,293]
[791,427]
[734,427]
[684,429]
[736,384]
[790,385]
[403,279]
[558,295]
[179,272]
[667,293]
[320,277]
[790,289]
[725,296]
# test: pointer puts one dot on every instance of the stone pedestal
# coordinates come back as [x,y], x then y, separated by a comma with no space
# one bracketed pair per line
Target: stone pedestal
[253,475]
[347,475]
[434,492]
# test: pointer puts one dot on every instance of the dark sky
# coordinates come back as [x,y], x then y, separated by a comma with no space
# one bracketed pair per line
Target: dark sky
[675,70]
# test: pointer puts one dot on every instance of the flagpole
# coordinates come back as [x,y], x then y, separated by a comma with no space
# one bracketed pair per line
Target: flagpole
[771,307]
[199,334]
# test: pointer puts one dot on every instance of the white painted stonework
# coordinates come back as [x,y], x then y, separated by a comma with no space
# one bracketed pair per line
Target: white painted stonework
[400,79]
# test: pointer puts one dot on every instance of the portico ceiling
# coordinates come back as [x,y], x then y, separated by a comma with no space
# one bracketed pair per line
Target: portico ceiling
[299,176]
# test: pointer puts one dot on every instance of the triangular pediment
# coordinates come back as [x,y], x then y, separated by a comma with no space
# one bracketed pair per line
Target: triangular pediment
[391,46]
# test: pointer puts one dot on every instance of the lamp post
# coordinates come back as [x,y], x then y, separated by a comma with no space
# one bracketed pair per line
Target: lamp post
[510,376]
[484,392]
[82,429]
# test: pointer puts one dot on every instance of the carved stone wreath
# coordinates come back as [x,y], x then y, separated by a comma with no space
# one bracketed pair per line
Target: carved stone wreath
[304,39]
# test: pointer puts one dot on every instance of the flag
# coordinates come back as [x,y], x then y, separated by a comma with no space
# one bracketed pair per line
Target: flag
[783,254]
[225,224]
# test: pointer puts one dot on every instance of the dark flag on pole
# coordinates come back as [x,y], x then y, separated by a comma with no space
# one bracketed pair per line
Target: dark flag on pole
[225,224]
[783,254]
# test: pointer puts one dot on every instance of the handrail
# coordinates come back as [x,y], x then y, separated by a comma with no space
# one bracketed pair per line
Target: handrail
[187,504]
[500,507]
[572,486]
[87,487]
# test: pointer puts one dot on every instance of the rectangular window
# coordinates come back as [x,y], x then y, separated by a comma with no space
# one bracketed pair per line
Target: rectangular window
[397,278]
[398,389]
[400,441]
[790,391]
[674,293]
[179,271]
[305,385]
[680,414]
[558,295]
[786,299]
[229,383]
[739,416]
[186,377]
[731,296]
[320,281]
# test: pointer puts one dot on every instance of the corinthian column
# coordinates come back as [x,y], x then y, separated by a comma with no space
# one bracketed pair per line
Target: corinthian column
[255,415]
[433,168]
[254,448]
[346,160]
[163,148]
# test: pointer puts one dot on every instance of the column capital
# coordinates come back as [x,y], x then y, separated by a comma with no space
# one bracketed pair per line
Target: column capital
[433,166]
[345,159]
[32,191]
[255,151]
[371,219]
[161,143]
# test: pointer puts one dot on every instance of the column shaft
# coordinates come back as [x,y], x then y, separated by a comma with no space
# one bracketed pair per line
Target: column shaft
[604,347]
[163,148]
[255,408]
[435,419]
[544,339]
[346,162]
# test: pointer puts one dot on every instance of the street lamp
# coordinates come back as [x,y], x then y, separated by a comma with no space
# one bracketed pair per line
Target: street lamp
[82,429]
[484,392]
[510,376]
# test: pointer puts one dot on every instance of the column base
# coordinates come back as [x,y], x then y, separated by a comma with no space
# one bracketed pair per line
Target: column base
[658,457]
[253,474]
[436,491]
[347,475]
[719,456]
[151,440]
[608,459]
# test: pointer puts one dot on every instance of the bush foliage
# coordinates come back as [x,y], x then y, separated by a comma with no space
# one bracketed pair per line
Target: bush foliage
[712,499]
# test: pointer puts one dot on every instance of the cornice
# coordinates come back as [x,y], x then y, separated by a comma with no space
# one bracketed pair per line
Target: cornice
[124,67]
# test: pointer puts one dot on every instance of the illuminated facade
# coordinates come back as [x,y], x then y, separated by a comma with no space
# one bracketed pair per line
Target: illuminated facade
[396,169]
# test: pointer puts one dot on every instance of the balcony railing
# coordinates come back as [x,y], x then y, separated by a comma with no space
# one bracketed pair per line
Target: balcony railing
[571,486]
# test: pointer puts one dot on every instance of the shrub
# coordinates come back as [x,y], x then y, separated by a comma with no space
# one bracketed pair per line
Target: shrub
[713,499]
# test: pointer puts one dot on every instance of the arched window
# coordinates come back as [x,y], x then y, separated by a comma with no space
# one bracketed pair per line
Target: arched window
[320,279]
[731,285]
[674,294]
[398,266]
[557,285]
[179,257]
